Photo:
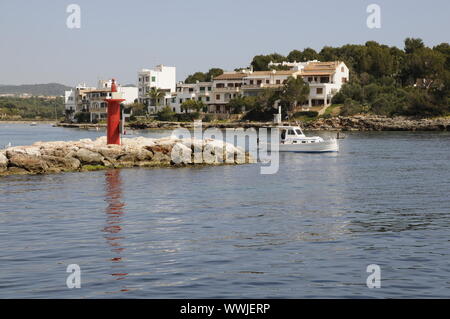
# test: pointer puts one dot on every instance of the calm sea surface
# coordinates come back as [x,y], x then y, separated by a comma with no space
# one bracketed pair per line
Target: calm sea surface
[308,231]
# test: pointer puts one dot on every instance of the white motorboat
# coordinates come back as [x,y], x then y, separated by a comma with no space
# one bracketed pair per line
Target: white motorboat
[292,139]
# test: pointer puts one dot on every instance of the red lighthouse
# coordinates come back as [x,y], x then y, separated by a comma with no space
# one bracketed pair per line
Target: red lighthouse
[113,130]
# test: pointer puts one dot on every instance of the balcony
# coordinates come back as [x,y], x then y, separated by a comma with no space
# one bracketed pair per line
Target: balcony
[226,89]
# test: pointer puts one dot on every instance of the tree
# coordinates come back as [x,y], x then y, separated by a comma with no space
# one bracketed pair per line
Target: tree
[192,105]
[155,95]
[212,73]
[413,44]
[328,54]
[309,54]
[139,109]
[426,65]
[197,76]
[294,91]
[444,48]
[241,104]
[261,62]
[295,55]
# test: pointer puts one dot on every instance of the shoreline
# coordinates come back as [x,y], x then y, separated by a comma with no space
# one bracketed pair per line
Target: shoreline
[339,123]
[28,121]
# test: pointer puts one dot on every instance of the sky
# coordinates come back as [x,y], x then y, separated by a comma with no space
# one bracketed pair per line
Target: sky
[118,38]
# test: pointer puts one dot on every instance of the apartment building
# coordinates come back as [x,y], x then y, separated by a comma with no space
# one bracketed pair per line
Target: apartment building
[92,99]
[199,91]
[161,77]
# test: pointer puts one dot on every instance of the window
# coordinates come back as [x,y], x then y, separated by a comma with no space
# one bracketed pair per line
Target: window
[342,69]
[319,91]
[220,85]
[278,82]
[251,82]
[298,131]
[324,79]
[344,80]
[209,88]
[153,78]
[191,89]
[207,99]
[258,82]
[217,96]
[230,85]
[199,98]
[181,101]
[291,132]
[202,88]
[267,81]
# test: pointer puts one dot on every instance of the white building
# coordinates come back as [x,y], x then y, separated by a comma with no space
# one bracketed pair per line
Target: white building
[161,77]
[200,91]
[325,79]
[92,99]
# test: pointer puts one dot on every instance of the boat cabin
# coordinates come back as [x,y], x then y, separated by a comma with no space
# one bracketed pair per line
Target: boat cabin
[294,135]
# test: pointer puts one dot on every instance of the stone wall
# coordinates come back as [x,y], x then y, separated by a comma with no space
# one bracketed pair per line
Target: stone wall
[54,157]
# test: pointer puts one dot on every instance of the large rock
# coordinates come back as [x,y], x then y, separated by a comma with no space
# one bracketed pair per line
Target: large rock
[31,163]
[3,162]
[88,157]
[181,154]
[26,150]
[57,164]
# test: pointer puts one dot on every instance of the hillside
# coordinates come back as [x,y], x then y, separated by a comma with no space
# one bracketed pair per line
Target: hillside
[49,89]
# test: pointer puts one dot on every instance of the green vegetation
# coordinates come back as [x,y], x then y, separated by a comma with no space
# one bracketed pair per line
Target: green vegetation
[50,89]
[91,168]
[385,80]
[260,108]
[167,115]
[204,77]
[193,105]
[31,108]
[156,95]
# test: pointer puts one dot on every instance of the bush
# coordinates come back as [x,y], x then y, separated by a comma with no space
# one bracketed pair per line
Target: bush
[187,117]
[422,104]
[208,118]
[306,113]
[166,114]
[261,116]
[351,107]
[83,117]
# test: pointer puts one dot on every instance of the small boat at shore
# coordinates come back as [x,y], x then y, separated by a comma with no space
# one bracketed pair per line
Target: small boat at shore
[292,139]
[33,124]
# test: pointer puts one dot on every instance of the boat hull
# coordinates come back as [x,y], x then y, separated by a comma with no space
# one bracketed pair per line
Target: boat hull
[321,147]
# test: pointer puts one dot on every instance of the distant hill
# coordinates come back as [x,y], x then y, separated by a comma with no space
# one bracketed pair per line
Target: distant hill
[35,89]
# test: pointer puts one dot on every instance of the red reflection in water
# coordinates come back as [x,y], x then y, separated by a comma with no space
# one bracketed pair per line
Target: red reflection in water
[114,213]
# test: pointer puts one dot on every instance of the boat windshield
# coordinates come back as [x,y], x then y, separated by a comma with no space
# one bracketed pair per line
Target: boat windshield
[298,131]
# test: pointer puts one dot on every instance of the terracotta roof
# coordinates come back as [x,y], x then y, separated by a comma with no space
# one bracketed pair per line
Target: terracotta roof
[281,72]
[320,68]
[99,91]
[231,76]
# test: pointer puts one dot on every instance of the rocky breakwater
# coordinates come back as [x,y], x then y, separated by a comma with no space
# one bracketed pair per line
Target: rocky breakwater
[379,123]
[85,155]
